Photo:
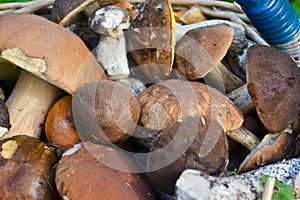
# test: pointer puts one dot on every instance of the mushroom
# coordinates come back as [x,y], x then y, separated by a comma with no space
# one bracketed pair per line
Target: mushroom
[27,169]
[59,125]
[136,86]
[105,111]
[110,21]
[201,49]
[186,144]
[81,173]
[64,12]
[4,115]
[171,100]
[272,148]
[51,53]
[151,41]
[193,184]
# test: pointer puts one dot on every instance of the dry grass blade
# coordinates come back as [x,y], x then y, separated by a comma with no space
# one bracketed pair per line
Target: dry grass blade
[268,189]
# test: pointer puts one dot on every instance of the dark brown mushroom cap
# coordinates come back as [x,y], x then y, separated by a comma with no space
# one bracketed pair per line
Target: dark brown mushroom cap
[273,81]
[207,152]
[82,176]
[26,167]
[273,148]
[71,8]
[201,49]
[111,105]
[171,100]
[151,41]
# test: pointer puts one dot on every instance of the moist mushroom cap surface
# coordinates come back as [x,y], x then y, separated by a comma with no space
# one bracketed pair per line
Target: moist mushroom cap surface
[273,81]
[201,49]
[47,50]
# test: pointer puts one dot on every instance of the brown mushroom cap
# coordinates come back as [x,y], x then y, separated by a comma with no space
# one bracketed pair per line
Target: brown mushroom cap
[273,148]
[151,41]
[47,50]
[59,126]
[116,109]
[26,167]
[273,81]
[201,49]
[69,9]
[171,100]
[208,136]
[82,176]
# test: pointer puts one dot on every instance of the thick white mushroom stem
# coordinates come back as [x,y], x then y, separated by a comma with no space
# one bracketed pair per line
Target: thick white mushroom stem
[195,185]
[244,137]
[28,105]
[242,99]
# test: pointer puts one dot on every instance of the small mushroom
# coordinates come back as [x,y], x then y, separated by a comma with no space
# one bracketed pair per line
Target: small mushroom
[171,100]
[151,41]
[59,125]
[201,49]
[64,12]
[110,21]
[80,175]
[57,58]
[105,107]
[27,169]
[195,145]
[136,86]
[193,184]
[273,148]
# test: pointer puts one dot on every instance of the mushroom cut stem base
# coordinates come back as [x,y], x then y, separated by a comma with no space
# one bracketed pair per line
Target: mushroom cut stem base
[28,105]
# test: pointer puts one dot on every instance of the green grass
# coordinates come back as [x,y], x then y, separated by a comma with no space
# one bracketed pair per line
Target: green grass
[9,1]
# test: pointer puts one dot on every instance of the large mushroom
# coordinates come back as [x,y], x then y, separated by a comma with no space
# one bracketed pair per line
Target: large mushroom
[82,175]
[188,144]
[57,58]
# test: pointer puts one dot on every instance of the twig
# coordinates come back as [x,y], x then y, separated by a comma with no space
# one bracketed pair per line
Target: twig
[222,14]
[220,4]
[249,31]
[268,189]
[35,6]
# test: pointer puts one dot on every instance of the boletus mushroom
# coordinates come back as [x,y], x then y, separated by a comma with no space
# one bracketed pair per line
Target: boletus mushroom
[57,58]
[172,100]
[59,125]
[197,145]
[105,111]
[80,175]
[201,49]
[27,169]
[151,40]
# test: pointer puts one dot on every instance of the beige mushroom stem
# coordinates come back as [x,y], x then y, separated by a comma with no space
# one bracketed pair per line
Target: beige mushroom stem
[244,137]
[193,184]
[242,99]
[28,105]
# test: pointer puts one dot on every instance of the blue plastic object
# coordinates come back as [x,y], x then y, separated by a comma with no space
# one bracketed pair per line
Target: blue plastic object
[275,19]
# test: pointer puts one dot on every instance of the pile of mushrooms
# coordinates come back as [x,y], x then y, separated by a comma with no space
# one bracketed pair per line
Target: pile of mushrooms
[153,104]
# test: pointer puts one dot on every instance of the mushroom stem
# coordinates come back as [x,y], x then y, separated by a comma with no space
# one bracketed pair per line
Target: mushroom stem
[194,184]
[242,99]
[244,137]
[91,8]
[28,105]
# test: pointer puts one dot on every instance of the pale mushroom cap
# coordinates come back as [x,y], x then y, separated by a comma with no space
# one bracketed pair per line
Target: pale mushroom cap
[47,50]
[273,81]
[201,49]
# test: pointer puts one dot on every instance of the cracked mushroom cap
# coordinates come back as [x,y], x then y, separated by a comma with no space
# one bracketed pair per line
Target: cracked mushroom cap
[201,49]
[202,146]
[48,51]
[172,100]
[273,81]
[273,148]
[80,175]
[65,11]
[27,169]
